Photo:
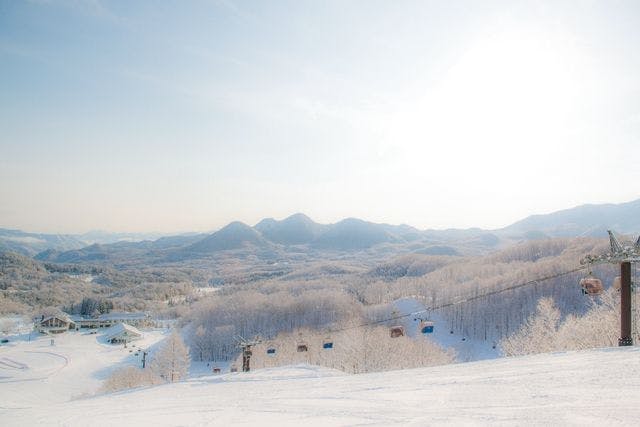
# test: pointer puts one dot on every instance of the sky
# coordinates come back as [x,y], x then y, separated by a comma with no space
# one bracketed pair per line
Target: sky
[173,116]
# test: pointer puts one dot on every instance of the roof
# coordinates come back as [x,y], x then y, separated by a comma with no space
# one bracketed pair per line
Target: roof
[122,316]
[121,328]
[111,316]
[63,318]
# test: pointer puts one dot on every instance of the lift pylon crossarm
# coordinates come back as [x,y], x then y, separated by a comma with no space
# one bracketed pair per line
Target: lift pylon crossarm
[619,253]
[242,342]
[614,242]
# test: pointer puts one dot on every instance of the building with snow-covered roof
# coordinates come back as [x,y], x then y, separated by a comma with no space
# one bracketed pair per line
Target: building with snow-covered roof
[107,320]
[123,333]
[54,324]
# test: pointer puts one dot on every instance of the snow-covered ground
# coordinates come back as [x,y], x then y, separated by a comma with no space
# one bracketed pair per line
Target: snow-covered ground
[597,387]
[34,373]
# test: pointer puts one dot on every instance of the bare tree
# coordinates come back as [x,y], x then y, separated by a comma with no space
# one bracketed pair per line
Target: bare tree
[129,377]
[171,362]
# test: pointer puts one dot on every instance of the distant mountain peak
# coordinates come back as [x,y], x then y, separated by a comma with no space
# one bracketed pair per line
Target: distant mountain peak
[235,235]
[296,229]
[298,217]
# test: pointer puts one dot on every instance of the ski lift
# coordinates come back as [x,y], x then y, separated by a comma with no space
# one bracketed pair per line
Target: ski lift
[396,331]
[426,327]
[271,351]
[591,285]
[327,344]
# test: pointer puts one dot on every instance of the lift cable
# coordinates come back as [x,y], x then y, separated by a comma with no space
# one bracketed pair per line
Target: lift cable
[462,301]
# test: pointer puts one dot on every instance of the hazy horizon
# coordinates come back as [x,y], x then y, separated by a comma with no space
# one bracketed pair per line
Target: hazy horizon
[254,223]
[170,118]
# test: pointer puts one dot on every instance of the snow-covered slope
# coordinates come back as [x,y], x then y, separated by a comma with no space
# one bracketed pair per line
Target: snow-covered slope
[597,387]
[467,349]
[34,373]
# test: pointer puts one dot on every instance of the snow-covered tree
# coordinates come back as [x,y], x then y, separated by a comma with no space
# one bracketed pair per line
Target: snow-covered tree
[356,350]
[545,332]
[7,325]
[538,334]
[129,377]
[171,362]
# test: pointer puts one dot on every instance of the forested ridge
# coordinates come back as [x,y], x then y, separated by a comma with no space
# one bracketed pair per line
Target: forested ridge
[246,294]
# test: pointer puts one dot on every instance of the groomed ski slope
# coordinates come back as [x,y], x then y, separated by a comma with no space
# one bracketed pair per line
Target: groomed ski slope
[596,387]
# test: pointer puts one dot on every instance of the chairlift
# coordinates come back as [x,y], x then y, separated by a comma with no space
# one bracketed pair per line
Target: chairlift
[327,344]
[271,351]
[591,285]
[396,331]
[426,327]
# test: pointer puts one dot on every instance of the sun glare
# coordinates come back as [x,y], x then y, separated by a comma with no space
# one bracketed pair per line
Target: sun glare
[504,89]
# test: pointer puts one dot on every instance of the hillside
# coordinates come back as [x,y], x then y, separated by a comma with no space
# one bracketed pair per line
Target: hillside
[585,220]
[236,235]
[349,235]
[31,243]
[595,387]
[353,233]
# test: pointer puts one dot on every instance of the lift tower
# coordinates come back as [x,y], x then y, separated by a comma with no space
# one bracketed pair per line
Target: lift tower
[246,346]
[625,255]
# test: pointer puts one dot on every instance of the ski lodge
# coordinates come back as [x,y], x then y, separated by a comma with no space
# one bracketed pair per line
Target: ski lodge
[54,324]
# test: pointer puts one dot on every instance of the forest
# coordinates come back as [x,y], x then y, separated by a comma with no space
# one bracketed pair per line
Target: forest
[500,297]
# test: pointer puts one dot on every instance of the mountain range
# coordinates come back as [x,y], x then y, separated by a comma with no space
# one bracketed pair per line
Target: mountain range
[350,234]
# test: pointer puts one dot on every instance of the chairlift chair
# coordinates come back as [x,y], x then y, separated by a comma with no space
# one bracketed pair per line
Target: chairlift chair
[396,331]
[302,347]
[271,351]
[591,285]
[426,327]
[327,344]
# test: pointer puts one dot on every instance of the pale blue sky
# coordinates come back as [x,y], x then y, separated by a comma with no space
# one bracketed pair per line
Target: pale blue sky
[176,116]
